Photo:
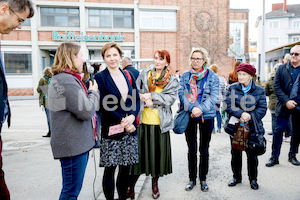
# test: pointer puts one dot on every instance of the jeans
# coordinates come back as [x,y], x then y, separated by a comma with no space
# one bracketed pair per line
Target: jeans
[288,130]
[219,118]
[204,139]
[281,125]
[4,193]
[236,163]
[273,122]
[48,117]
[73,170]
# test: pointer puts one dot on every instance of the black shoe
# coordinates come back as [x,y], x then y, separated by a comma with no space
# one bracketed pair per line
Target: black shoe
[273,161]
[190,185]
[254,185]
[294,160]
[271,133]
[48,134]
[233,182]
[204,186]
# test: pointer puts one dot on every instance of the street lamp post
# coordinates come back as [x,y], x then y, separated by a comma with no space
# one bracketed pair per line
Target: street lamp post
[262,57]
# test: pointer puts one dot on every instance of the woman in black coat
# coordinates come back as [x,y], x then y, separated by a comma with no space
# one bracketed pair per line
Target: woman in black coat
[245,100]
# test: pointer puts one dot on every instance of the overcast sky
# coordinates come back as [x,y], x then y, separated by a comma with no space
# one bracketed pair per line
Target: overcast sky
[256,9]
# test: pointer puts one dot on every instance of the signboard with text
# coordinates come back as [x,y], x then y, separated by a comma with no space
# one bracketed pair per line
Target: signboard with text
[71,36]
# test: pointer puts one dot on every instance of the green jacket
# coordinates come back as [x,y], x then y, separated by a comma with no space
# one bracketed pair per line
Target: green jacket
[269,88]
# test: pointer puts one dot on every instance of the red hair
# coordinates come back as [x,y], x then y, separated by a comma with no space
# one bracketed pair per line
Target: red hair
[164,54]
[233,75]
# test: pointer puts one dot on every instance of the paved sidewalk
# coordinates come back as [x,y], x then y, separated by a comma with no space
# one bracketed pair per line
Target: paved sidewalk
[31,173]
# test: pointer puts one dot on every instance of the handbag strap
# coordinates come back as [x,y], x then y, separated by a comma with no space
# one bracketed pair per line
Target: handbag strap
[254,122]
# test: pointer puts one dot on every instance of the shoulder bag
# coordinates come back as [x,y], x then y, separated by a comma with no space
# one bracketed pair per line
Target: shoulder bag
[257,142]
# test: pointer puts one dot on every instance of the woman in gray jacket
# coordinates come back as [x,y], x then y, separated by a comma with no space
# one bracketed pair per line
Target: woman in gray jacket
[72,113]
[158,91]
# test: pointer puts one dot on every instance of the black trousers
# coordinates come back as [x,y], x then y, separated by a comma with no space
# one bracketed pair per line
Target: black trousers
[108,182]
[205,129]
[236,163]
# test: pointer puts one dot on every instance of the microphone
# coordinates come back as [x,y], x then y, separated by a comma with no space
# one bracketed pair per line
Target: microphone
[91,71]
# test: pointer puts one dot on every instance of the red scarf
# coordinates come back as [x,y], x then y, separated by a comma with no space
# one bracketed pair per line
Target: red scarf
[69,71]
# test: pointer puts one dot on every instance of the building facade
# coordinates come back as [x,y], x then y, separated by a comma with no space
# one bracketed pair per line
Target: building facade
[282,28]
[140,27]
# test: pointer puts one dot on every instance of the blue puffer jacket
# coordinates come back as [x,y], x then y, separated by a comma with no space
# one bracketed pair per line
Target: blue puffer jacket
[255,104]
[210,95]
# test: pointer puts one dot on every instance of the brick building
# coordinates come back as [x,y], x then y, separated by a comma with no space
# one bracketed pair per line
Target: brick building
[140,27]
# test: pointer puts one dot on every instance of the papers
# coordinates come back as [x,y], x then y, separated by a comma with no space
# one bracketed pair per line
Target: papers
[233,120]
[115,129]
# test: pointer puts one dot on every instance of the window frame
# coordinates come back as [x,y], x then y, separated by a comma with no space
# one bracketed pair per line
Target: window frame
[13,52]
[54,15]
[152,17]
[271,24]
[272,43]
[112,18]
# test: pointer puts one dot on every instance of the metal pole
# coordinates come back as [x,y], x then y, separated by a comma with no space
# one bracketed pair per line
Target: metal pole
[263,56]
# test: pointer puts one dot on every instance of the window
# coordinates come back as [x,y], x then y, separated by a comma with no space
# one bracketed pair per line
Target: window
[161,20]
[296,24]
[60,17]
[273,41]
[110,18]
[295,38]
[273,24]
[27,22]
[18,62]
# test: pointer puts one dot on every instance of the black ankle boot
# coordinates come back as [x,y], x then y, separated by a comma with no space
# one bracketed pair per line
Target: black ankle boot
[48,134]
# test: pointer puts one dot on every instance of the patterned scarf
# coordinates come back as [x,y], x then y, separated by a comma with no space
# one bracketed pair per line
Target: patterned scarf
[162,80]
[196,76]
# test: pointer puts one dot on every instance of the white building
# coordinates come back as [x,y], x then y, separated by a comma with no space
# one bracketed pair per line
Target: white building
[282,27]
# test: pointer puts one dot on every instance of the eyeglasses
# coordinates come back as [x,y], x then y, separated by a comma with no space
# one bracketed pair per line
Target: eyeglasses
[296,54]
[197,59]
[19,18]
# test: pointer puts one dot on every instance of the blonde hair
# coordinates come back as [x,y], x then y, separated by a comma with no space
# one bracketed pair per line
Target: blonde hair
[204,54]
[64,57]
[110,45]
[214,67]
[47,72]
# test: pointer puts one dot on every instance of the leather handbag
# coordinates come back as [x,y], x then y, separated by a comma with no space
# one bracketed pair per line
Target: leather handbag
[240,139]
[181,121]
[257,142]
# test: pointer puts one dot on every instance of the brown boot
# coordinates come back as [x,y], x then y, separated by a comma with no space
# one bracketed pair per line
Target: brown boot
[155,190]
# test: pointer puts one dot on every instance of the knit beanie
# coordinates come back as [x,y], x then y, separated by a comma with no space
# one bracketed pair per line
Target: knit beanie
[246,68]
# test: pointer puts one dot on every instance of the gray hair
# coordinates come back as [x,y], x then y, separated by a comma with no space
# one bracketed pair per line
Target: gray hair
[287,57]
[127,59]
[20,6]
[203,52]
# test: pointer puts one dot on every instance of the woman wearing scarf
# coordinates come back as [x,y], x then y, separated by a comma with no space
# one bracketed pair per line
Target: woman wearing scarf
[42,89]
[158,91]
[119,107]
[72,110]
[245,100]
[198,94]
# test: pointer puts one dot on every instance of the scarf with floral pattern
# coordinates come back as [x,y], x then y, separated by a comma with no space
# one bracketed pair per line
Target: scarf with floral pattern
[196,76]
[162,80]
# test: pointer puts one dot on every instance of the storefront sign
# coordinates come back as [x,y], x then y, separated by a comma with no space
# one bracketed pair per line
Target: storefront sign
[71,36]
